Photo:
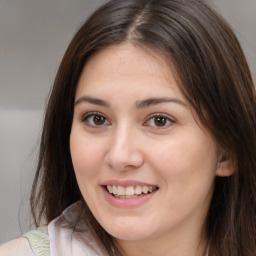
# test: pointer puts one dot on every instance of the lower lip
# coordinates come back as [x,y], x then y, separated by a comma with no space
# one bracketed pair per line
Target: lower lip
[127,202]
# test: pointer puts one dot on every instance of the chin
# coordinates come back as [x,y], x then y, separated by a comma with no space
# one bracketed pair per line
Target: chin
[129,236]
[129,233]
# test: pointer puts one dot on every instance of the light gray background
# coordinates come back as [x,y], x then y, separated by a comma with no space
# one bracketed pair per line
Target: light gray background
[33,37]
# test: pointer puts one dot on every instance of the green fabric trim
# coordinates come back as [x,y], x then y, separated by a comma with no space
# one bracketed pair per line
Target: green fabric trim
[39,241]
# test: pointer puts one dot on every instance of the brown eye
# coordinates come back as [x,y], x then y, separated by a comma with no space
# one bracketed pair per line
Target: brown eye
[99,120]
[95,120]
[160,121]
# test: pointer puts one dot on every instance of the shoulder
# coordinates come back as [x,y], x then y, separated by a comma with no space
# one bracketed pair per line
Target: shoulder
[33,243]
[39,241]
[17,247]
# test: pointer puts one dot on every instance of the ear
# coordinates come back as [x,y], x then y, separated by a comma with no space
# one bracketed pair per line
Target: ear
[226,165]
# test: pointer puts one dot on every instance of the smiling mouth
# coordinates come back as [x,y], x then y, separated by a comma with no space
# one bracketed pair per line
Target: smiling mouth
[131,191]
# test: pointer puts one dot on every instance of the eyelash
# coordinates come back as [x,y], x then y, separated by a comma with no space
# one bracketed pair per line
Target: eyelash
[152,118]
[85,119]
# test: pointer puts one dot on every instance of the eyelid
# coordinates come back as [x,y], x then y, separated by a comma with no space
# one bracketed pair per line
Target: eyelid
[87,114]
[160,114]
[168,117]
[92,113]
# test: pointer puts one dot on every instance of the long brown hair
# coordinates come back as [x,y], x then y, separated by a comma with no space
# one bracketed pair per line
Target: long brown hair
[215,79]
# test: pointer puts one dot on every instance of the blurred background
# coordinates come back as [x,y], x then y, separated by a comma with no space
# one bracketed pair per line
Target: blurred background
[33,37]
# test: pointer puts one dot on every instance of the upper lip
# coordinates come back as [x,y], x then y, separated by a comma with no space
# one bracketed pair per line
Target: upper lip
[126,183]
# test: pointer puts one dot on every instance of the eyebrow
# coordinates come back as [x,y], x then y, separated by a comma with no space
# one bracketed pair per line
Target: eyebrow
[154,101]
[92,100]
[139,104]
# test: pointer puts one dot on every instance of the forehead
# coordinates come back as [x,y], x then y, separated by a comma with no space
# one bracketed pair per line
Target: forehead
[127,64]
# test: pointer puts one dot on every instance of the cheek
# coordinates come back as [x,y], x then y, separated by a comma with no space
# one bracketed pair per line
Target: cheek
[86,156]
[188,171]
[186,161]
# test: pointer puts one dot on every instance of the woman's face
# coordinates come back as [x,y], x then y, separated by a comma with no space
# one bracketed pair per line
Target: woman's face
[144,166]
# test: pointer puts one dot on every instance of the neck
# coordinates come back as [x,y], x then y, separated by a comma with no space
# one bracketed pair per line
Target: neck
[152,249]
[171,245]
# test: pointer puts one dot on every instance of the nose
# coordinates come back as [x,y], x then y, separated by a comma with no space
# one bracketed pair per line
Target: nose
[124,150]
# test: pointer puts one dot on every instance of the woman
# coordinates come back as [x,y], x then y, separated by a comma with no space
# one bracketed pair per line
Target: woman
[149,138]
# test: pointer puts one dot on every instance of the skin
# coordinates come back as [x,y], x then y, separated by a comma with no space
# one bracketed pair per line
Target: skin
[128,144]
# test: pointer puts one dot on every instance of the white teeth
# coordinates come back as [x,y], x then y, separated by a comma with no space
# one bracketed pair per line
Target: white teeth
[131,191]
[110,188]
[145,189]
[120,191]
[114,190]
[138,190]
